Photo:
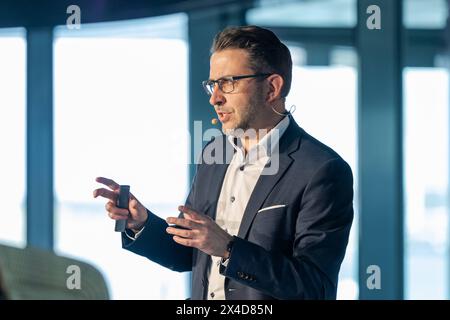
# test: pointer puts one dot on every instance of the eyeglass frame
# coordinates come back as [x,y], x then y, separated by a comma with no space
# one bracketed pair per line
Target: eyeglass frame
[228,78]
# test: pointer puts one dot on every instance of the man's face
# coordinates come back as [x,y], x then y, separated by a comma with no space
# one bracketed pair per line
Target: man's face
[240,108]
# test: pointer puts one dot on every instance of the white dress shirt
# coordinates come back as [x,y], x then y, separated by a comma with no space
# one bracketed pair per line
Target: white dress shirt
[239,182]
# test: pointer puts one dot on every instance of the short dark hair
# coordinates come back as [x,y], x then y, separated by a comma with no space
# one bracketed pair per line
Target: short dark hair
[267,54]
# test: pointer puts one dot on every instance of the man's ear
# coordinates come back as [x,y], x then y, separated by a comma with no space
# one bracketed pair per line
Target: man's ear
[276,83]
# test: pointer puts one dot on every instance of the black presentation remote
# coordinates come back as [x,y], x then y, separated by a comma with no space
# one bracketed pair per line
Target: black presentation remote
[122,202]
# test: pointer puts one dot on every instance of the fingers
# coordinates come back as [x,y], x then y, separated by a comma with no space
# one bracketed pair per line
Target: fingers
[108,182]
[117,217]
[111,195]
[183,223]
[116,213]
[180,232]
[191,214]
[105,193]
[184,242]
[137,210]
[134,204]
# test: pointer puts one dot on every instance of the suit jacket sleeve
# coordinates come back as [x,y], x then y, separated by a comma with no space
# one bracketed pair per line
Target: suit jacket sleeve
[321,236]
[157,245]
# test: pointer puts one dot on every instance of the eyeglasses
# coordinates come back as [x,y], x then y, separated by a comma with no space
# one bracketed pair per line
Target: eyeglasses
[226,84]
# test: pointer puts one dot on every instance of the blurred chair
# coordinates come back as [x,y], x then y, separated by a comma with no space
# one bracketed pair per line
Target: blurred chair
[32,273]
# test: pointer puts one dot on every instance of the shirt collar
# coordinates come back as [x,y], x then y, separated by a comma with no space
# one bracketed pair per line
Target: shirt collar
[266,144]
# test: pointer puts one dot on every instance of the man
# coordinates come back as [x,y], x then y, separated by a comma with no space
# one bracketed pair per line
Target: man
[243,233]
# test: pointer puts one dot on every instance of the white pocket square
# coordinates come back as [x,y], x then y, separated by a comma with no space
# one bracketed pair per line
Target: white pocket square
[272,207]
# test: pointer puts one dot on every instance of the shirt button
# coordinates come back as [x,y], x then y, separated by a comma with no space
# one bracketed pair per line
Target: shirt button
[232,198]
[212,295]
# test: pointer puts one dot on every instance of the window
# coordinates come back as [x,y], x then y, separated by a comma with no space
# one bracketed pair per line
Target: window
[12,135]
[430,14]
[426,175]
[120,112]
[323,13]
[326,107]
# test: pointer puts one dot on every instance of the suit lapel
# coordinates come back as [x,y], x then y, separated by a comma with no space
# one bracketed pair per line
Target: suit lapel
[289,143]
[213,186]
[217,175]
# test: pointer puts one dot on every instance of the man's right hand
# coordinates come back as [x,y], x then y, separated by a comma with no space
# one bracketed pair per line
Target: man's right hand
[138,213]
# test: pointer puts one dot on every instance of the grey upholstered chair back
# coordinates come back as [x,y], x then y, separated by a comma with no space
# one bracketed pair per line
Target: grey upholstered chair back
[32,273]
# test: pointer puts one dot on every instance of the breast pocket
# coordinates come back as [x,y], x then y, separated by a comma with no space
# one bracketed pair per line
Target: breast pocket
[277,206]
[270,226]
[272,216]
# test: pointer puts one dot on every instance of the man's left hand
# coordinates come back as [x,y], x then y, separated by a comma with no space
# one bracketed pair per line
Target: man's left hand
[202,233]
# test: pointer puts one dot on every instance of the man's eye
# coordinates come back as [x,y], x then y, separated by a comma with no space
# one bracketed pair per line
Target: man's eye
[225,82]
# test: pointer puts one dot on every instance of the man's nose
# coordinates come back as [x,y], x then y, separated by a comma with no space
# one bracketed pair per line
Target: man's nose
[217,97]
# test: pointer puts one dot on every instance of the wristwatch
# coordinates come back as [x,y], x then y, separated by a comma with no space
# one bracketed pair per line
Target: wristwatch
[224,261]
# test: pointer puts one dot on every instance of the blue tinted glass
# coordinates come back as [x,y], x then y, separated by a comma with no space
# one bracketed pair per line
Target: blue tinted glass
[12,135]
[324,13]
[425,14]
[120,112]
[426,182]
[326,107]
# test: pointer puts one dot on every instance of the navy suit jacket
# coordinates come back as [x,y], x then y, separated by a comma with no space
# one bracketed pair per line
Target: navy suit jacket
[290,252]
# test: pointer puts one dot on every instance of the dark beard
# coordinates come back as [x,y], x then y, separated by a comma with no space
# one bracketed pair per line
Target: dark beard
[246,120]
